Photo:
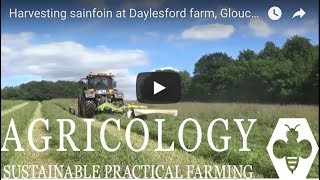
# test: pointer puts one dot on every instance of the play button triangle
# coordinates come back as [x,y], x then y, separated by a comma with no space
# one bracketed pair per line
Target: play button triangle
[157,88]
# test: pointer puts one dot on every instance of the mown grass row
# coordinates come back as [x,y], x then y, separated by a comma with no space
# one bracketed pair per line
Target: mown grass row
[21,119]
[266,115]
[6,104]
[177,157]
[29,156]
[123,156]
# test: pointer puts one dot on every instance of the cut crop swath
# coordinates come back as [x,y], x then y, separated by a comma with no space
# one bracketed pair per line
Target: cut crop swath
[21,118]
[124,156]
[6,104]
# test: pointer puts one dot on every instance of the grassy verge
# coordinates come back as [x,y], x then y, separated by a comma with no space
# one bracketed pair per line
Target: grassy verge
[266,115]
[64,103]
[13,108]
[29,156]
[177,157]
[21,118]
[6,104]
[124,156]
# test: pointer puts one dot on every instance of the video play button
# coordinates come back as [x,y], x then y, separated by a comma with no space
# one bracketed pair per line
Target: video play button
[158,87]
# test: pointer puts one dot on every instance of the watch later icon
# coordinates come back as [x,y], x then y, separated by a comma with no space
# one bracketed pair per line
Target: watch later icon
[274,13]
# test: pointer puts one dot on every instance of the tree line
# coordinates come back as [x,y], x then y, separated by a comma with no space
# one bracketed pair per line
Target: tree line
[43,90]
[287,74]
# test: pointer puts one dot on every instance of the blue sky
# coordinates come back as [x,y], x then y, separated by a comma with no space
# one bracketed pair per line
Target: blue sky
[52,49]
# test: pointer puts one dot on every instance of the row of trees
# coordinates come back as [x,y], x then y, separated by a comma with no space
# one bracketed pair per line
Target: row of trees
[289,74]
[43,90]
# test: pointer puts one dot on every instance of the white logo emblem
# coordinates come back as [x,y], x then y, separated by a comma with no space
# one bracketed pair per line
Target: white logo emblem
[292,148]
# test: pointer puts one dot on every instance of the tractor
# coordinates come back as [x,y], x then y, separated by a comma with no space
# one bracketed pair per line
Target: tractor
[98,89]
[101,96]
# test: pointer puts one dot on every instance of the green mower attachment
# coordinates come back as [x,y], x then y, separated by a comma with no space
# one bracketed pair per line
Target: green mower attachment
[130,110]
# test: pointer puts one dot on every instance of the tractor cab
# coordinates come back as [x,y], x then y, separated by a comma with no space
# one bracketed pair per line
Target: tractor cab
[100,81]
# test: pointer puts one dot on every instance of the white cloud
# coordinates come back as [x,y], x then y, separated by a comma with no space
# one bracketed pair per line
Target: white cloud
[260,28]
[208,32]
[166,68]
[16,40]
[68,60]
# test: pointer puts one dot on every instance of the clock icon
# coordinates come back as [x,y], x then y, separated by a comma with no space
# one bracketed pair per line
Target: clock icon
[274,13]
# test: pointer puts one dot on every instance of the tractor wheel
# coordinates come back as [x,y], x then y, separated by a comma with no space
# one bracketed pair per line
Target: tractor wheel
[89,109]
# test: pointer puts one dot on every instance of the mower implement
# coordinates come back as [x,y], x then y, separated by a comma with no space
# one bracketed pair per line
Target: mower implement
[132,110]
[129,110]
[140,112]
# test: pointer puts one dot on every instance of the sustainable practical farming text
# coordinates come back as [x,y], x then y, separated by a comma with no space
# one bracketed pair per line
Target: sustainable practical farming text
[130,13]
[130,171]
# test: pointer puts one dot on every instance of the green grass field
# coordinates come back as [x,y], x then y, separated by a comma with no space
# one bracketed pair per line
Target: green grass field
[7,104]
[266,115]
